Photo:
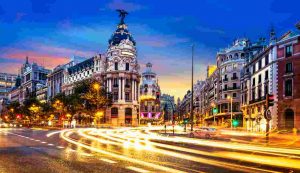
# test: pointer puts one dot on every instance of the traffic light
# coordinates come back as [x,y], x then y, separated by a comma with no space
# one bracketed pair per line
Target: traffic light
[270,100]
[235,123]
[185,120]
[215,110]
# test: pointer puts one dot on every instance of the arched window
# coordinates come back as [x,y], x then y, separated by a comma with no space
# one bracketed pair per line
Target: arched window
[114,112]
[116,66]
[236,55]
[230,56]
[242,55]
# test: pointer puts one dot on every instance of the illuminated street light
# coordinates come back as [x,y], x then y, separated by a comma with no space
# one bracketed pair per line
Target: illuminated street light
[96,86]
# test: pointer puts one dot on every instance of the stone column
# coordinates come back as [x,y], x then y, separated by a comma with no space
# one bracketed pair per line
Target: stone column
[109,84]
[132,90]
[123,88]
[119,86]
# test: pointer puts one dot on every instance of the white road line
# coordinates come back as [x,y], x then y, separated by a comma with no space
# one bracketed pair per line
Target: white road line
[137,169]
[50,144]
[43,142]
[60,147]
[108,161]
[37,140]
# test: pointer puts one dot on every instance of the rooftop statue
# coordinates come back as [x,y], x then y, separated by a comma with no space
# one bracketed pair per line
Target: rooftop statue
[122,15]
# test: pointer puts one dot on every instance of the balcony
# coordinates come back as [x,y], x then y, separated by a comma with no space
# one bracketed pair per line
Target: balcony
[257,100]
[225,80]
[234,78]
[115,85]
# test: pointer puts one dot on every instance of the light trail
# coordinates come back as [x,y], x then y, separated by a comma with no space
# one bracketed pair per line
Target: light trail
[123,139]
[147,164]
[134,138]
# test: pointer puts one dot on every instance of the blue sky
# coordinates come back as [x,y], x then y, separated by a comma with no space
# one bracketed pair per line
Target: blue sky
[49,31]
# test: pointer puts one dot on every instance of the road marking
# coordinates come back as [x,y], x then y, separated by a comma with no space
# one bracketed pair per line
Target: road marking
[137,169]
[60,147]
[37,140]
[108,161]
[50,144]
[43,142]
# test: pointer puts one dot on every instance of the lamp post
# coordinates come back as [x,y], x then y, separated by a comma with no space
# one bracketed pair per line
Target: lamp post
[230,98]
[96,86]
[192,99]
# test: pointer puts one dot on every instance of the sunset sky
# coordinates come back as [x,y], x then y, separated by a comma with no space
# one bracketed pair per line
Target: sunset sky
[50,31]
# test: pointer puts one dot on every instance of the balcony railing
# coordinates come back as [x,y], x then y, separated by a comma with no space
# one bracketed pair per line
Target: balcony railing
[225,80]
[234,78]
[257,100]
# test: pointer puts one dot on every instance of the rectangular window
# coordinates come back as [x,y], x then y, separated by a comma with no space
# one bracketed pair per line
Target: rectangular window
[266,89]
[127,67]
[234,85]
[116,95]
[253,82]
[259,78]
[259,64]
[288,51]
[127,96]
[288,67]
[115,82]
[266,60]
[116,66]
[288,87]
[253,68]
[234,95]
[266,75]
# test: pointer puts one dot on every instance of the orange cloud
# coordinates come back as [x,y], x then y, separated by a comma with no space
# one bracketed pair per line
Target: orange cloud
[49,61]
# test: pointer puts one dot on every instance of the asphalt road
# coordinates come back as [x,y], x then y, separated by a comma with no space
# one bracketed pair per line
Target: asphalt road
[133,150]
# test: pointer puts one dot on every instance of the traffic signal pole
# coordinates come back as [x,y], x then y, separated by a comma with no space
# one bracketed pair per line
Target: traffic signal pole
[267,114]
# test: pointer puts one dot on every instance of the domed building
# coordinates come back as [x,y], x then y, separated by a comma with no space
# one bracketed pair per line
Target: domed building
[121,76]
[150,97]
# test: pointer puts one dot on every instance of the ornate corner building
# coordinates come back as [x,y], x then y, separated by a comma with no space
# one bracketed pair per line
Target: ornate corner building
[122,77]
[117,70]
[150,97]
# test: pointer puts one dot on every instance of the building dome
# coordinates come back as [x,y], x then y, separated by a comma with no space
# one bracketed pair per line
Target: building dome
[120,34]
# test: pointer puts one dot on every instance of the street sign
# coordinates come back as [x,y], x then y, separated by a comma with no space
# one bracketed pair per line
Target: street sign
[267,114]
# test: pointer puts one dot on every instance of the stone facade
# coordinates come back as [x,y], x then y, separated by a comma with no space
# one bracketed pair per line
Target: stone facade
[150,111]
[288,54]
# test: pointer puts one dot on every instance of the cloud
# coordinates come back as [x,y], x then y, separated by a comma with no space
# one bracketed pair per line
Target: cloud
[160,40]
[121,4]
[209,30]
[49,61]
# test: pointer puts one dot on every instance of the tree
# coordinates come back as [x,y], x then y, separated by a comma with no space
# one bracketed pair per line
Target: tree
[93,95]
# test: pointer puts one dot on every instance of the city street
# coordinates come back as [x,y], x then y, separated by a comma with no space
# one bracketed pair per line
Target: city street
[135,150]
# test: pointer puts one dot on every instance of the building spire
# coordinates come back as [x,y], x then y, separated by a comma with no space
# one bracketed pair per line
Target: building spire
[26,62]
[272,34]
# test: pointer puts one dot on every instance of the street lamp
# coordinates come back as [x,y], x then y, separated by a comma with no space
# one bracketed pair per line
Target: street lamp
[230,98]
[97,87]
[192,99]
